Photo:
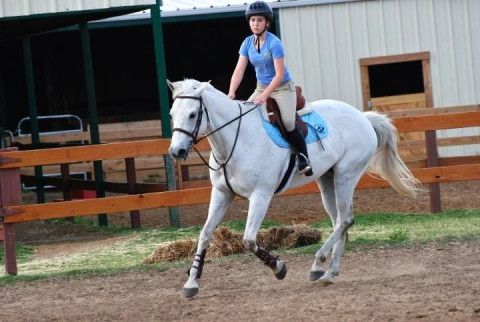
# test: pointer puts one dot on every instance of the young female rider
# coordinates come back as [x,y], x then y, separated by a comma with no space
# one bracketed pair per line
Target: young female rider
[265,52]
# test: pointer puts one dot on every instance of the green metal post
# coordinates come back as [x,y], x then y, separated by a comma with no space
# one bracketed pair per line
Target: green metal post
[276,21]
[164,103]
[32,111]
[92,113]
[3,113]
[3,106]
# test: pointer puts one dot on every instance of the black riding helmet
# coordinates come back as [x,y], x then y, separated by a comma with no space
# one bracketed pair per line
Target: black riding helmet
[259,8]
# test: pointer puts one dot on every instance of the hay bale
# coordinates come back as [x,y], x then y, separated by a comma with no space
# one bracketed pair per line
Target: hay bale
[289,237]
[225,242]
[173,251]
[302,236]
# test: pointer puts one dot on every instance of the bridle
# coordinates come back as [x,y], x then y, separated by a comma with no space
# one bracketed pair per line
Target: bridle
[194,133]
[196,129]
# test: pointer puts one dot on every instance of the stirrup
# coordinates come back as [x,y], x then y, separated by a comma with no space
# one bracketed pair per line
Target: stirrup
[307,170]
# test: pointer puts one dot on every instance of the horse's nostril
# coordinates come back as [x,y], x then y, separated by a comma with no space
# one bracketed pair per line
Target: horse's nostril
[178,154]
[182,154]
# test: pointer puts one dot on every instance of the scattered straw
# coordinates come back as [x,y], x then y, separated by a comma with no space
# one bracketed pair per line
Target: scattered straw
[225,242]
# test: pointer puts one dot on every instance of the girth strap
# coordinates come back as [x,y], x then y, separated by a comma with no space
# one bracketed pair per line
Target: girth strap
[288,173]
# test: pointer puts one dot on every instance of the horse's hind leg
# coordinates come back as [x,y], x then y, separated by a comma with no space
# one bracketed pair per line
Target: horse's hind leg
[219,203]
[327,189]
[337,252]
[256,213]
[344,189]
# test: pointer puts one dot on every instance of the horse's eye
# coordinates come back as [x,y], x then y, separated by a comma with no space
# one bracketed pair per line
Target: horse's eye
[192,115]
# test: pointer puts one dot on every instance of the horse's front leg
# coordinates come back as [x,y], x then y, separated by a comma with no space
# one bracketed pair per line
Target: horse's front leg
[256,213]
[219,203]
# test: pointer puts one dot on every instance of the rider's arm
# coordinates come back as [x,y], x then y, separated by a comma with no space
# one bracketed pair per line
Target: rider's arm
[279,64]
[237,75]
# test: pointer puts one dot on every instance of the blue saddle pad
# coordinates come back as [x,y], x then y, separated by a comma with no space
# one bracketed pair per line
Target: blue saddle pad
[317,129]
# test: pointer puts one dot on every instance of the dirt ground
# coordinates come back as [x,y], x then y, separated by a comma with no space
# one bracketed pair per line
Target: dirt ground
[434,282]
[428,283]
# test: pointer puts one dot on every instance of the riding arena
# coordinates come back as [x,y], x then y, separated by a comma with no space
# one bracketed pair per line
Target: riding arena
[133,188]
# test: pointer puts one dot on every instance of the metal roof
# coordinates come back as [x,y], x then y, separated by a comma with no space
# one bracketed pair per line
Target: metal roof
[181,8]
[30,17]
[213,5]
[174,5]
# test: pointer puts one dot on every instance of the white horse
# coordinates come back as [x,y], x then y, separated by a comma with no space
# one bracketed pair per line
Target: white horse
[251,165]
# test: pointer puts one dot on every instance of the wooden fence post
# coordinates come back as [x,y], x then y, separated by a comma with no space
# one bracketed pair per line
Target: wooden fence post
[10,195]
[432,161]
[132,189]
[66,186]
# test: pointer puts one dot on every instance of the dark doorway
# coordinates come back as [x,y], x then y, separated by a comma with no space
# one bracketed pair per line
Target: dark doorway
[124,67]
[396,78]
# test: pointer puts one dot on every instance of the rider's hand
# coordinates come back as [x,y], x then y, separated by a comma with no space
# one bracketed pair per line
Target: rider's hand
[231,95]
[260,99]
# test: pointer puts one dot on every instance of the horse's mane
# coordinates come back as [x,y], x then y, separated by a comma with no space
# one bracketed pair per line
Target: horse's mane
[189,84]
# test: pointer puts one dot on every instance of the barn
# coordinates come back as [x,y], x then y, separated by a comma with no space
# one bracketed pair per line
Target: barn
[402,53]
[374,54]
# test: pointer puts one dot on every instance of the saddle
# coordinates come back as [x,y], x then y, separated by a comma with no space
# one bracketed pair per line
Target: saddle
[276,118]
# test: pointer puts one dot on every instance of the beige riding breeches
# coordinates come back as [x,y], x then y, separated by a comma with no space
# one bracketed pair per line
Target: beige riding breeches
[286,99]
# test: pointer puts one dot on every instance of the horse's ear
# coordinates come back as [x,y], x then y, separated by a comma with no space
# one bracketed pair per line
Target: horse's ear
[202,87]
[171,85]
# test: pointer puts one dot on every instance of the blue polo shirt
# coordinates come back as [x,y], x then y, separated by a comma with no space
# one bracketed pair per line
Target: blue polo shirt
[263,61]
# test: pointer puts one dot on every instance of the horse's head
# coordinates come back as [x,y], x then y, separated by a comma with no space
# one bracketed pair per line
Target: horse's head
[188,115]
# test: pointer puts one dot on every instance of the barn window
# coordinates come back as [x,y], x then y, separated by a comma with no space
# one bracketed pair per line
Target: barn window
[396,78]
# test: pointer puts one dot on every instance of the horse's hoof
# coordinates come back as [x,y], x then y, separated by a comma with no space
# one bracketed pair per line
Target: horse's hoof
[316,275]
[189,292]
[282,273]
[325,282]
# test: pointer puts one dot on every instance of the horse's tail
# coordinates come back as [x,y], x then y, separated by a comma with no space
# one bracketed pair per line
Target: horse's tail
[386,161]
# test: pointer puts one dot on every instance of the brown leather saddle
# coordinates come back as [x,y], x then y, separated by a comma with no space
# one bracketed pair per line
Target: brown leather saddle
[276,118]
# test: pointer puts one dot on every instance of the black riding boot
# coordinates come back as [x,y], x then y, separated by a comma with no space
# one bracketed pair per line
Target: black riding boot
[297,142]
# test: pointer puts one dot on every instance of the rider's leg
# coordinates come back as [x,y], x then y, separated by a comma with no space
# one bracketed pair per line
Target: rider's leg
[286,99]
[297,141]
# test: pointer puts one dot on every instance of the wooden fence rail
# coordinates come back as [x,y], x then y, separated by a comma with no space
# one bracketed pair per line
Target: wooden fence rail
[12,211]
[23,213]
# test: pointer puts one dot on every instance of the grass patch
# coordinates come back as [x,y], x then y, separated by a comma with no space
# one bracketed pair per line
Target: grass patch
[401,228]
[239,225]
[24,254]
[131,247]
[398,229]
[125,254]
[29,278]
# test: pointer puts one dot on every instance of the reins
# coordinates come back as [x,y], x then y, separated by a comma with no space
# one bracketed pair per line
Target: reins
[194,134]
